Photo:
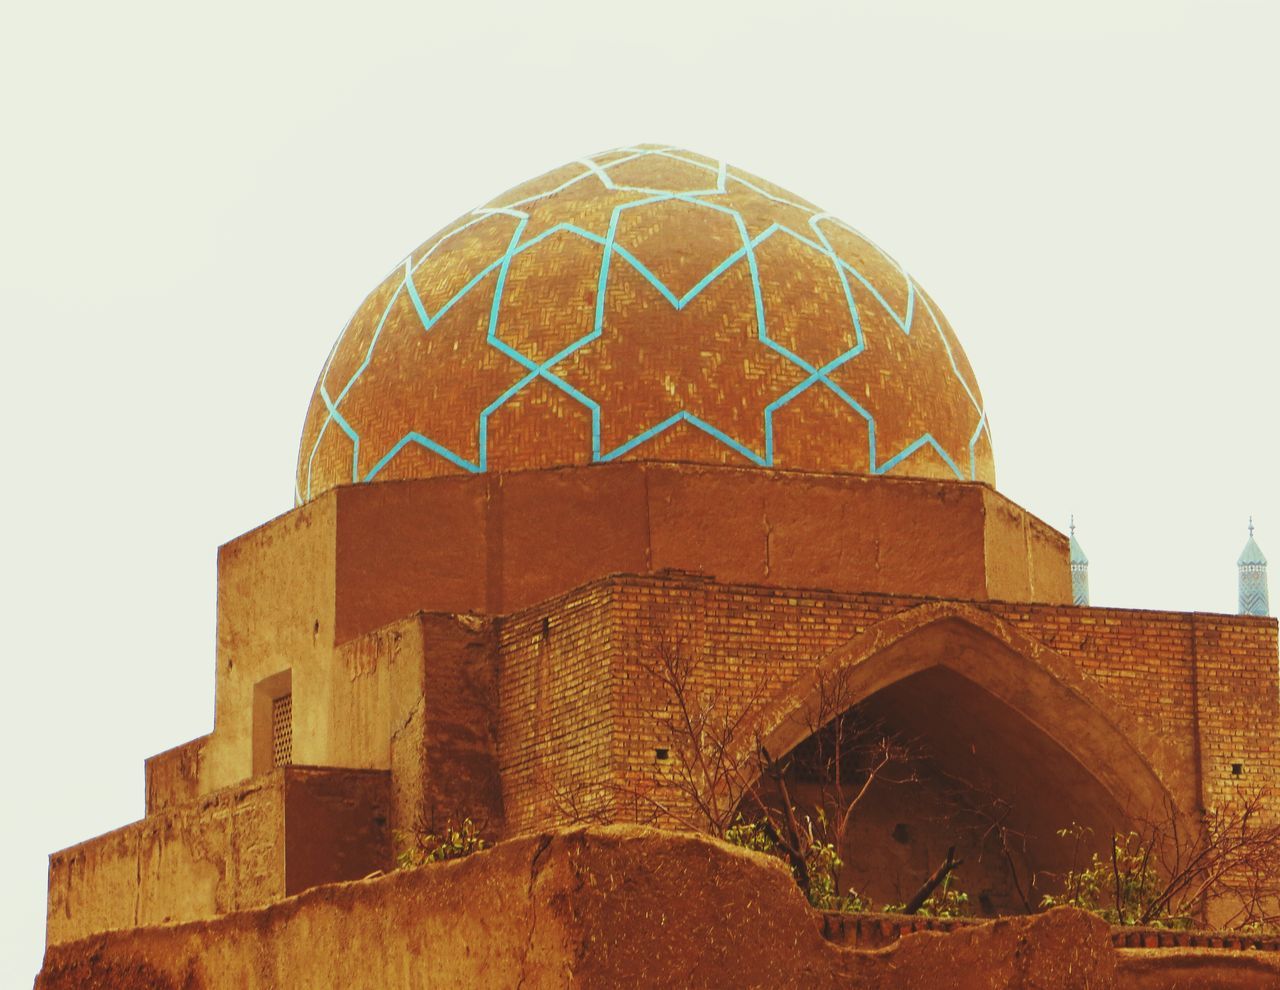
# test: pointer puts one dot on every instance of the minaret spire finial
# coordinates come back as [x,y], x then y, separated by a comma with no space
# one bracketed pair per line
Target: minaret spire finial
[1079,569]
[1073,524]
[1251,525]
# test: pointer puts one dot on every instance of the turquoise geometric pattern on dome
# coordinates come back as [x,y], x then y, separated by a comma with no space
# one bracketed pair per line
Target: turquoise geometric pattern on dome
[914,315]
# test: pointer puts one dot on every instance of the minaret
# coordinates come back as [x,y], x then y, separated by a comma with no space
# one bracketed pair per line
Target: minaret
[1253,578]
[1079,570]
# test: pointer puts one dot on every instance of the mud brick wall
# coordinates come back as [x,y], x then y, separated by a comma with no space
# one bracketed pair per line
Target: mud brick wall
[239,848]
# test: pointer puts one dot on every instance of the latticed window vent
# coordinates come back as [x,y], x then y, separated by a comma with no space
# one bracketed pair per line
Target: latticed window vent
[282,730]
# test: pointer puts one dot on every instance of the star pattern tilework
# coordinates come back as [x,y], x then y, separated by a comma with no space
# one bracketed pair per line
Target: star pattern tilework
[645,303]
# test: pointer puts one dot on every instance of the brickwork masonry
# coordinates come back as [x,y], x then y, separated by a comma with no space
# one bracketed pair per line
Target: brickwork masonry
[1198,692]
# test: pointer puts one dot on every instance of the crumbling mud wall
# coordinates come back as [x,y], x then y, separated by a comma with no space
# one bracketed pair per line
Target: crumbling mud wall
[239,848]
[609,907]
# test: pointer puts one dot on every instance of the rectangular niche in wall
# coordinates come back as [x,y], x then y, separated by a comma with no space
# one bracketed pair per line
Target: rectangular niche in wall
[273,722]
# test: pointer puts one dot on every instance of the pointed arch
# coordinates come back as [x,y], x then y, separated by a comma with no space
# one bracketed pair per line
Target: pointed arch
[1043,687]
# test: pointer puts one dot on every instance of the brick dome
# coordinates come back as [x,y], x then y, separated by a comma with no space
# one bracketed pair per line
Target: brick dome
[645,304]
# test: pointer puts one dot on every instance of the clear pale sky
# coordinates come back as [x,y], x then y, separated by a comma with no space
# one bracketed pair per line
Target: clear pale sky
[193,200]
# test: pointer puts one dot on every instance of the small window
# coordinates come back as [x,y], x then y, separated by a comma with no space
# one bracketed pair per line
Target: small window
[282,730]
[273,723]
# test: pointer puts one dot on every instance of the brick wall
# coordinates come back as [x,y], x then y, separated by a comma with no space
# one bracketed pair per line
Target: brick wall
[1205,684]
[574,701]
[556,717]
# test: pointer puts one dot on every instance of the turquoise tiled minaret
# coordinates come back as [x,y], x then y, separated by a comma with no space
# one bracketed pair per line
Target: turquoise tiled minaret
[1079,570]
[1253,578]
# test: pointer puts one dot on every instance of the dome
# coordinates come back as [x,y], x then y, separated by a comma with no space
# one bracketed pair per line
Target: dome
[645,303]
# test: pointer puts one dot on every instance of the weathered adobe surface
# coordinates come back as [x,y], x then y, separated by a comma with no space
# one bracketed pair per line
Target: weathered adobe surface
[870,930]
[609,907]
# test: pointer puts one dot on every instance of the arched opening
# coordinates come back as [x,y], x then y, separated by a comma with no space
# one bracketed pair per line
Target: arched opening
[985,742]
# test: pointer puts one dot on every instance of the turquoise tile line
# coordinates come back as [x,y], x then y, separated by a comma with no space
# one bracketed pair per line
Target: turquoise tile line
[816,240]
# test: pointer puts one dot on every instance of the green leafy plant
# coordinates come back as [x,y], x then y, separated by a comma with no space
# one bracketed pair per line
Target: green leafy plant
[948,901]
[825,865]
[751,835]
[1167,871]
[421,846]
[1124,888]
[822,863]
